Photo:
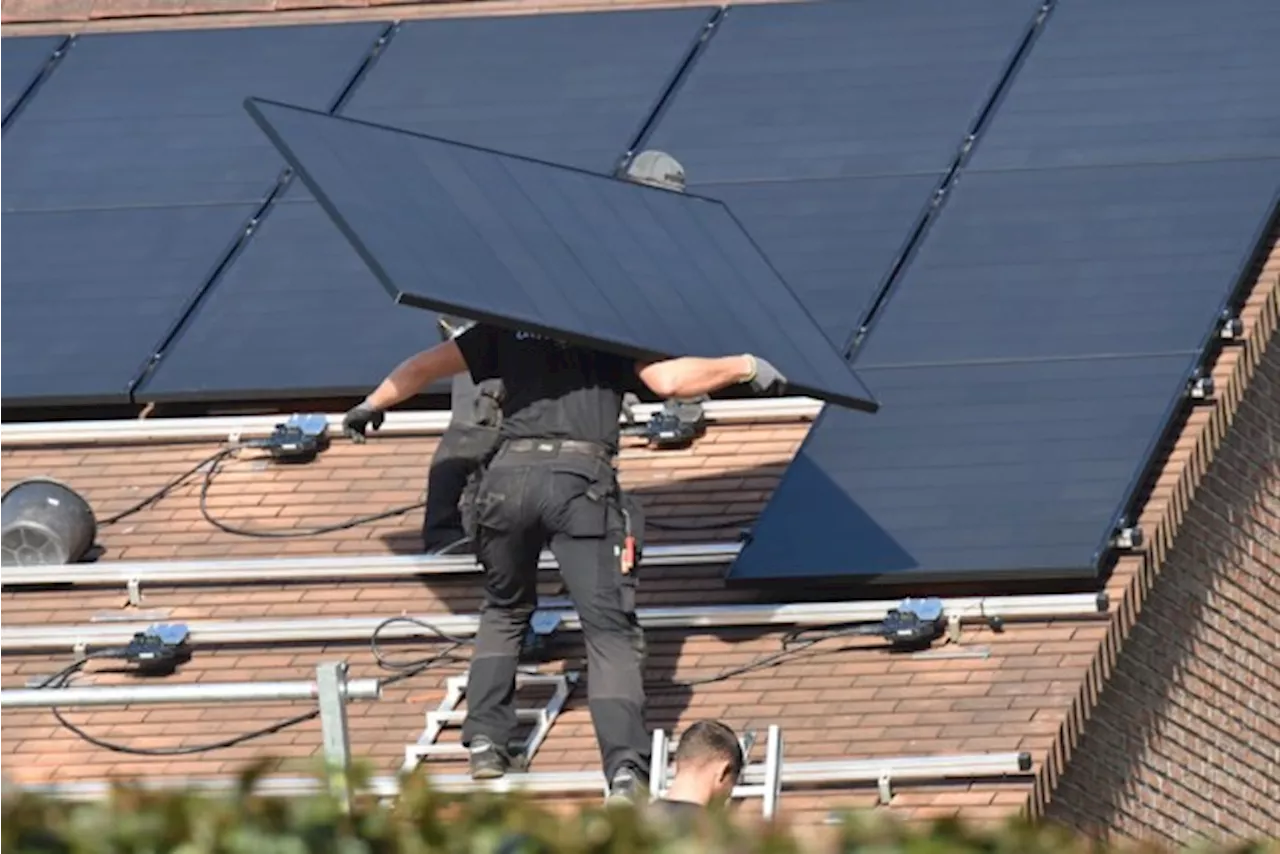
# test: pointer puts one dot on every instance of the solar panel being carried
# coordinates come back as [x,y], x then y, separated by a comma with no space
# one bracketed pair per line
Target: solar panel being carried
[22,59]
[572,88]
[541,247]
[847,115]
[133,122]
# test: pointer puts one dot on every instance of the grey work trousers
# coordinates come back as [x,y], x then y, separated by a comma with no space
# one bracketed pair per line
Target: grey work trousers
[467,442]
[570,502]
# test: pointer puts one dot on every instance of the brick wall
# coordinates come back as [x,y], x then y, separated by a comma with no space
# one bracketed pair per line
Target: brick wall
[1185,740]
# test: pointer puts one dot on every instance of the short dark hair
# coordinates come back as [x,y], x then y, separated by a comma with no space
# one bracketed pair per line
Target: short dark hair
[706,740]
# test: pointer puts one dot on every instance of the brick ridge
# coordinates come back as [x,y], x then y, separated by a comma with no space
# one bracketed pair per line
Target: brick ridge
[1161,519]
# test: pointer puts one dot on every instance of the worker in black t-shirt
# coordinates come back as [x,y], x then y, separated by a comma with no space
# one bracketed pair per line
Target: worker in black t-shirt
[708,764]
[552,482]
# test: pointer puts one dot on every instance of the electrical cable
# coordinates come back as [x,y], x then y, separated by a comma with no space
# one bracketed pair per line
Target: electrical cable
[61,678]
[353,522]
[173,484]
[794,645]
[700,526]
[409,668]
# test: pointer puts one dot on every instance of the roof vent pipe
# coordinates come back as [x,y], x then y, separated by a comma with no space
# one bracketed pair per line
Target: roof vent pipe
[45,522]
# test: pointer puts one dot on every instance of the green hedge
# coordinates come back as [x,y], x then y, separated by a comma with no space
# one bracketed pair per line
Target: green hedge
[134,821]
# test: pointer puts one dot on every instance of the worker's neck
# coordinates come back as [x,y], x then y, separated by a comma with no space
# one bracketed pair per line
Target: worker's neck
[689,789]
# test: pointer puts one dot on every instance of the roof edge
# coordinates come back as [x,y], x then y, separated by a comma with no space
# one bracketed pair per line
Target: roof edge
[100,18]
[1188,460]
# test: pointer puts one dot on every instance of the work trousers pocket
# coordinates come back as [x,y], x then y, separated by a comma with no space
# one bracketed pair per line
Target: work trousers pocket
[583,492]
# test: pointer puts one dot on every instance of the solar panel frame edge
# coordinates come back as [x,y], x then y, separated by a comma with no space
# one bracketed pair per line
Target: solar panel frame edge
[403,298]
[32,86]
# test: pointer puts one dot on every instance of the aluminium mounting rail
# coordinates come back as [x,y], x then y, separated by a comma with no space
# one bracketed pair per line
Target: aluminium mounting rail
[217,429]
[133,574]
[83,637]
[793,775]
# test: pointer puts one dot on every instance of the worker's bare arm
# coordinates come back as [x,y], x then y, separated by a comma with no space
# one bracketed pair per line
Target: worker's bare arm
[690,376]
[416,373]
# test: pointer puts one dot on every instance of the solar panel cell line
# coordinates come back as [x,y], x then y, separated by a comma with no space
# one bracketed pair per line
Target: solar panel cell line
[845,114]
[1143,81]
[574,88]
[155,118]
[555,250]
[21,60]
[1028,361]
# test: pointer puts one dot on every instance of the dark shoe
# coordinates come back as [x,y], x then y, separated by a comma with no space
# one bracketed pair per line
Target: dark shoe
[626,787]
[487,762]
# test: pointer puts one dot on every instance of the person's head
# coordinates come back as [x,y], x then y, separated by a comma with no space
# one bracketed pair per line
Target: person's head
[708,762]
[656,169]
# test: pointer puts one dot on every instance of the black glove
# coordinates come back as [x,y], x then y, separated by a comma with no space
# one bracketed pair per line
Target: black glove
[364,415]
[765,379]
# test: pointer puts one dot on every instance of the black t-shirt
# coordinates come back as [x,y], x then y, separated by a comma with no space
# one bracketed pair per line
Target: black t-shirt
[553,390]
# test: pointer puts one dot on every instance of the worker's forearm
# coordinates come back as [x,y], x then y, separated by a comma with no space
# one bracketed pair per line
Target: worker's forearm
[691,376]
[416,373]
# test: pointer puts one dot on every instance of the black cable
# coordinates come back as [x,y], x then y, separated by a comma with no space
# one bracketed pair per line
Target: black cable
[292,532]
[233,741]
[410,668]
[700,526]
[60,679]
[794,644]
[173,484]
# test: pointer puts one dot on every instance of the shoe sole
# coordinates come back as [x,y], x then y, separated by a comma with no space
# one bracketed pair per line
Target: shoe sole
[488,774]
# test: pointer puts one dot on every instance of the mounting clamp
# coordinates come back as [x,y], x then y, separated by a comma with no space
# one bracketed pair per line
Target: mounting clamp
[134,588]
[1201,387]
[1230,326]
[1129,537]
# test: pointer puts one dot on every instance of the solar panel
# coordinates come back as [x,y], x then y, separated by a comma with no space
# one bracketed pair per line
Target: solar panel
[88,293]
[839,89]
[571,89]
[833,242]
[847,114]
[553,250]
[21,61]
[574,88]
[1028,362]
[155,118]
[1067,263]
[967,473]
[1142,81]
[135,133]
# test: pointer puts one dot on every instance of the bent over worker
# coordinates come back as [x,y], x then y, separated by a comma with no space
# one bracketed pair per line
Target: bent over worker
[552,483]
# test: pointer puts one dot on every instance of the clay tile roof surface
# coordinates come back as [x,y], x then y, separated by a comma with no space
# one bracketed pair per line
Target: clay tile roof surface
[1031,687]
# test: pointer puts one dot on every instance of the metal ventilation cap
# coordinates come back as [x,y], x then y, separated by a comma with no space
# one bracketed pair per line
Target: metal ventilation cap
[657,169]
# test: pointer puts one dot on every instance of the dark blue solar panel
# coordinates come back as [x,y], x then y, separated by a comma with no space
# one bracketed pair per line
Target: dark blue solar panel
[297,314]
[1027,362]
[1142,81]
[87,294]
[967,472]
[157,118]
[833,241]
[21,60]
[840,89]
[554,250]
[1076,262]
[573,88]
